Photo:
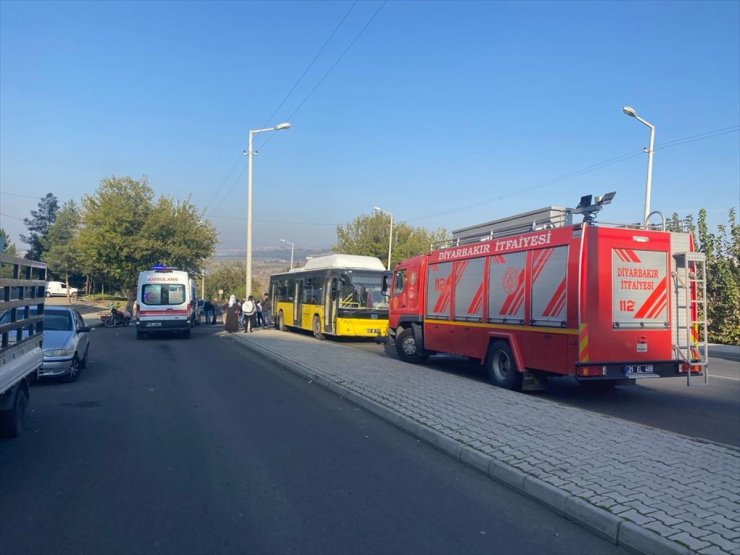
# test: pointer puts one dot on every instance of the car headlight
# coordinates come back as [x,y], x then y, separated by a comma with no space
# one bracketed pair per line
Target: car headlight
[59,352]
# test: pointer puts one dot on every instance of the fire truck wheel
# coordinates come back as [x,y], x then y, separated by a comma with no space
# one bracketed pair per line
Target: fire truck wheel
[317,327]
[502,370]
[406,347]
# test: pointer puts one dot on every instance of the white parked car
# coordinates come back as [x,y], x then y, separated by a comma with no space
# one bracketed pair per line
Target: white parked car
[59,289]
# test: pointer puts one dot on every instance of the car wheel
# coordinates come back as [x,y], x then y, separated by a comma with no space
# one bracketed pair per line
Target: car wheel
[74,371]
[406,347]
[83,362]
[502,370]
[13,420]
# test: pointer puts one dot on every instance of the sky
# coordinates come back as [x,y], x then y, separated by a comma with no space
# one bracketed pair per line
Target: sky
[445,114]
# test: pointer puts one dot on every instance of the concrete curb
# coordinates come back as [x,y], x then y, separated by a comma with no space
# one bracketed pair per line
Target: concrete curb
[604,524]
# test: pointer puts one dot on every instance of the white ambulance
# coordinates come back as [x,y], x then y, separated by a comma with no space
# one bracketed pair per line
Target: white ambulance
[165,302]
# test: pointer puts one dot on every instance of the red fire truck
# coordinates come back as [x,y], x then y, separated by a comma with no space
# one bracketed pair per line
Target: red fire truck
[536,296]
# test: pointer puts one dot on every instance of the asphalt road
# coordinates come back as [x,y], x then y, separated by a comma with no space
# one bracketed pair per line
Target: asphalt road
[198,446]
[709,411]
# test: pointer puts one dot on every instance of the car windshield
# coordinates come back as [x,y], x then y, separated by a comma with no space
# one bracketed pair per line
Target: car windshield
[57,320]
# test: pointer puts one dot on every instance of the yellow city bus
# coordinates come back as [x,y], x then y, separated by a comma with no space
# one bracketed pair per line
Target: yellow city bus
[338,294]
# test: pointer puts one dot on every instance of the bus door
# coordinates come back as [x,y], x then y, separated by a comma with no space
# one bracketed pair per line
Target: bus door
[297,302]
[331,299]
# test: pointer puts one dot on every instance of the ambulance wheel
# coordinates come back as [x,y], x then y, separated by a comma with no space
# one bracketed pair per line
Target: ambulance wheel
[317,327]
[280,324]
[502,370]
[406,347]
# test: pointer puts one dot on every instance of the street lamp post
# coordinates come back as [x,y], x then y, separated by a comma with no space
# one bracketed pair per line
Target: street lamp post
[250,153]
[292,247]
[633,114]
[390,234]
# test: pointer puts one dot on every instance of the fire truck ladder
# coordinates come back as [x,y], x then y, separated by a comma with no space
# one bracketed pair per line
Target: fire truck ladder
[690,286]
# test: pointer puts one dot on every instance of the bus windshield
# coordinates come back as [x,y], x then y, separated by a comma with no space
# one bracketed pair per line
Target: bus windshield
[362,290]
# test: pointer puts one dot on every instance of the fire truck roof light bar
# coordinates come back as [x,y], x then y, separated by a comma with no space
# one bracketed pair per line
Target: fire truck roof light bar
[589,208]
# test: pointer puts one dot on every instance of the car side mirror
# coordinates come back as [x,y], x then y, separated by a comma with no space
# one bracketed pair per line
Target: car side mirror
[83,329]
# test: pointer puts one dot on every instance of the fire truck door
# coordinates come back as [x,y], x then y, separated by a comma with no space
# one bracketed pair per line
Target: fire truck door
[437,325]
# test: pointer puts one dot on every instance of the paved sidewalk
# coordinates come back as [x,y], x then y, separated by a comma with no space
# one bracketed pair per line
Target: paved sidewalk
[648,490]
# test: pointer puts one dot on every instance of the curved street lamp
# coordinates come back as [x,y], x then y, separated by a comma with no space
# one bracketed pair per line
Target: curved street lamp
[631,112]
[250,153]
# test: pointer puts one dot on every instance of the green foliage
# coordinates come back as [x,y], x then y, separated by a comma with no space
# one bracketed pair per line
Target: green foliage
[723,277]
[125,231]
[367,235]
[38,225]
[722,250]
[6,246]
[61,248]
[229,276]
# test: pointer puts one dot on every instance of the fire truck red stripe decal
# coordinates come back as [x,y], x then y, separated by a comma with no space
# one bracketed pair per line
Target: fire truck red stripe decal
[556,301]
[498,259]
[506,308]
[657,296]
[658,308]
[619,254]
[477,303]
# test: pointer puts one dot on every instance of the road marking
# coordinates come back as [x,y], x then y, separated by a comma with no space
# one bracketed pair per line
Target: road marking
[724,377]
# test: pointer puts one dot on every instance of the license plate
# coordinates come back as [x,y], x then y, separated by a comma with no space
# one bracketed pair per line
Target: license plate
[373,331]
[639,369]
[154,324]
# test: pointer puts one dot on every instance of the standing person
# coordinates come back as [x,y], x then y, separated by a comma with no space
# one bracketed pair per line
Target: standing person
[217,311]
[249,309]
[260,318]
[208,311]
[267,310]
[231,315]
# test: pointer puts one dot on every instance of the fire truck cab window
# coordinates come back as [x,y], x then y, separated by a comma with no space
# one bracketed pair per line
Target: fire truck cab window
[399,282]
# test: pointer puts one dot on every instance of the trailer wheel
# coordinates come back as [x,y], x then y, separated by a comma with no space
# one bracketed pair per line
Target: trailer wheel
[502,370]
[13,420]
[406,347]
[317,327]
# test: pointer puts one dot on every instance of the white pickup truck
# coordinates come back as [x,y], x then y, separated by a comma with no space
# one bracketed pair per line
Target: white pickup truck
[22,286]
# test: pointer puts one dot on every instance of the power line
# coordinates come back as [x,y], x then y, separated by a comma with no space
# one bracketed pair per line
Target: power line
[22,196]
[351,44]
[310,64]
[282,102]
[222,184]
[582,171]
[11,217]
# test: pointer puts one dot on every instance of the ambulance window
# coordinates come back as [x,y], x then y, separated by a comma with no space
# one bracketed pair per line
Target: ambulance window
[157,294]
[399,282]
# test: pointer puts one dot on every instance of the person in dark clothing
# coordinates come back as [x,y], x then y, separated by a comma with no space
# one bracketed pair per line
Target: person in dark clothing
[231,315]
[208,311]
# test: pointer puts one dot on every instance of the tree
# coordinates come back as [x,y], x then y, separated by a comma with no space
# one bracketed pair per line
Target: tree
[228,276]
[125,231]
[6,246]
[723,277]
[61,247]
[367,235]
[38,225]
[722,251]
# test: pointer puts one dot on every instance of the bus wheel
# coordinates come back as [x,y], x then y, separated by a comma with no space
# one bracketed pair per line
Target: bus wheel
[502,370]
[317,327]
[406,347]
[280,324]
